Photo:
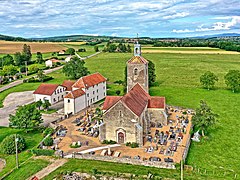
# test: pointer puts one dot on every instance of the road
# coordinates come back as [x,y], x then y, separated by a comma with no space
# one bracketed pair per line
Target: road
[83,58]
[15,83]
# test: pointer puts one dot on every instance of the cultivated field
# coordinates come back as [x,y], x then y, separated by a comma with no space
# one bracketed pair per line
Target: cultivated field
[186,50]
[10,47]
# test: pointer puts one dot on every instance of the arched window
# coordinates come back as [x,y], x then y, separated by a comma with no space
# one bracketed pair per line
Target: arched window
[135,71]
[136,50]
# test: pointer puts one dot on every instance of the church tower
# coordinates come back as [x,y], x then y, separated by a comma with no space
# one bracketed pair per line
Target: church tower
[137,70]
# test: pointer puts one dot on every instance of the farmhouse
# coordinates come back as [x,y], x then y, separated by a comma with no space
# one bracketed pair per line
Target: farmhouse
[51,62]
[85,92]
[128,118]
[51,92]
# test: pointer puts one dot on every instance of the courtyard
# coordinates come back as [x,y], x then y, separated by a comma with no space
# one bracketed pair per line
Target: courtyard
[168,143]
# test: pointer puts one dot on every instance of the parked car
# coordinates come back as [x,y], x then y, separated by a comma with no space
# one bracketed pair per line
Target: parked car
[168,160]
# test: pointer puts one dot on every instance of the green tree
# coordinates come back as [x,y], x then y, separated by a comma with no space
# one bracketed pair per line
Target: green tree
[39,57]
[151,73]
[18,59]
[70,51]
[10,70]
[46,104]
[75,68]
[208,80]
[27,117]
[48,141]
[204,117]
[129,48]
[96,48]
[26,53]
[7,60]
[118,92]
[38,104]
[232,80]
[40,75]
[7,146]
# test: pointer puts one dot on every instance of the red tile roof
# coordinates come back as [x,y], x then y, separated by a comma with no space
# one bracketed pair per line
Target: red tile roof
[46,89]
[156,102]
[110,101]
[75,94]
[68,84]
[137,60]
[136,99]
[90,80]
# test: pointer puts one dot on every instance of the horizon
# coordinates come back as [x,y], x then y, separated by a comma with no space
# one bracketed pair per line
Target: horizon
[166,19]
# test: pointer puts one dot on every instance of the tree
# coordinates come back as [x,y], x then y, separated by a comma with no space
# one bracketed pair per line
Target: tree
[70,51]
[129,48]
[46,104]
[40,75]
[208,80]
[151,73]
[7,60]
[204,118]
[39,57]
[26,117]
[26,53]
[38,104]
[75,68]
[18,59]
[96,48]
[232,80]
[10,70]
[48,141]
[8,146]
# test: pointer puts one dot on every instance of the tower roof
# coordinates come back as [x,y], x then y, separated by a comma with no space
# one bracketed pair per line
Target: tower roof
[137,60]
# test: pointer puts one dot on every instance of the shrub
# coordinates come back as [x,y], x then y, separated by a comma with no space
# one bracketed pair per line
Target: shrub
[7,146]
[48,131]
[134,145]
[42,152]
[48,141]
[74,146]
[109,142]
[128,144]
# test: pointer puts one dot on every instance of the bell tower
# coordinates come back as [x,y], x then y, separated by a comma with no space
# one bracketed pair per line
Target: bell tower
[137,70]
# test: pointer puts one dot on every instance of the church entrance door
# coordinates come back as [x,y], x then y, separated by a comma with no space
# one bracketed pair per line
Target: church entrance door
[120,138]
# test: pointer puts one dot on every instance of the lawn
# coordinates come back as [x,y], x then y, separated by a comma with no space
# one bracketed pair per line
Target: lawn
[178,80]
[28,169]
[32,139]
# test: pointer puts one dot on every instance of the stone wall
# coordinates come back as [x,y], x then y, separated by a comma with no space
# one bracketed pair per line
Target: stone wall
[156,116]
[128,161]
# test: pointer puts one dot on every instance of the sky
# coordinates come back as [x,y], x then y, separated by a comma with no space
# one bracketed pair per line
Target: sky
[126,18]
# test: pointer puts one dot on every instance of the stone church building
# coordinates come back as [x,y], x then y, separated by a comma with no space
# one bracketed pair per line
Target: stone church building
[128,118]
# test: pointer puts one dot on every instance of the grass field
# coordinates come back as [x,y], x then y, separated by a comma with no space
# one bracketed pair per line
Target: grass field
[32,139]
[10,47]
[178,80]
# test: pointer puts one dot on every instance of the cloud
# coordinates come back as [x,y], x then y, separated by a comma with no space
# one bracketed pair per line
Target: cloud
[177,15]
[125,18]
[182,31]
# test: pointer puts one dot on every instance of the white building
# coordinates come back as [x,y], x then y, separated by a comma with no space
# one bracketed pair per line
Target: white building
[86,91]
[51,92]
[50,62]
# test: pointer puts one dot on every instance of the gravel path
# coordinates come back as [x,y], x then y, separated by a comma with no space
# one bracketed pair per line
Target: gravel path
[11,102]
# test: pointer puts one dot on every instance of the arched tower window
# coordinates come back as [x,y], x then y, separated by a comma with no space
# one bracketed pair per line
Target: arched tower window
[135,71]
[136,50]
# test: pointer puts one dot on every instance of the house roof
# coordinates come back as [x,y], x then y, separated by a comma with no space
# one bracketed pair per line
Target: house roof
[110,101]
[75,94]
[136,100]
[156,102]
[46,89]
[54,60]
[137,60]
[68,84]
[90,80]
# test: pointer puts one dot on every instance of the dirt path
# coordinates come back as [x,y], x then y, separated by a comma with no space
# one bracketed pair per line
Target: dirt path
[50,168]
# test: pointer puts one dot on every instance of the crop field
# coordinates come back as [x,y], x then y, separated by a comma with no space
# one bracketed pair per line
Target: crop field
[10,47]
[186,50]
[178,80]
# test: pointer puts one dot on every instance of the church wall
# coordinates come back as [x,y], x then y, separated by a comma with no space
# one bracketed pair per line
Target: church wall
[119,118]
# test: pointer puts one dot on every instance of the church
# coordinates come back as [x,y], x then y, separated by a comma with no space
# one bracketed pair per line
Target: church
[129,118]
